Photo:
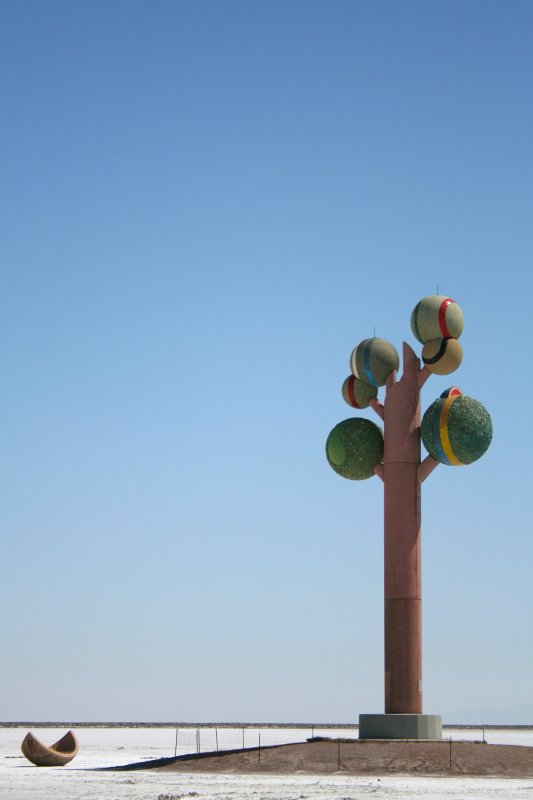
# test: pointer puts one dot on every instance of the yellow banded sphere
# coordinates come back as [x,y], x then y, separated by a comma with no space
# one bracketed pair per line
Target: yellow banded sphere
[456,430]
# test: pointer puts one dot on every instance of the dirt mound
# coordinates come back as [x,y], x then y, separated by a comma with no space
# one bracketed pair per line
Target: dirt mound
[366,758]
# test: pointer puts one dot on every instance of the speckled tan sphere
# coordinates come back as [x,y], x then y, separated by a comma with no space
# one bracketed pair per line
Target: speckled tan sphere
[373,360]
[437,317]
[442,356]
[357,393]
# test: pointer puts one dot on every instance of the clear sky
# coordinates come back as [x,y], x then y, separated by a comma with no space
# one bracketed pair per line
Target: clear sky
[205,206]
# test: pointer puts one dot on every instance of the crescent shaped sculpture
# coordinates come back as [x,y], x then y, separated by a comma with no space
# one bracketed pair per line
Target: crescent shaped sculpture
[56,755]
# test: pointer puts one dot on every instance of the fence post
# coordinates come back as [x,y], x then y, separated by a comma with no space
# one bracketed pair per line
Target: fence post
[176,745]
[216,737]
[259,751]
[243,737]
[450,753]
[339,753]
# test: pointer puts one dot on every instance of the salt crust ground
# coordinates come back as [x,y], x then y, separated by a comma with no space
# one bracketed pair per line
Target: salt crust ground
[19,780]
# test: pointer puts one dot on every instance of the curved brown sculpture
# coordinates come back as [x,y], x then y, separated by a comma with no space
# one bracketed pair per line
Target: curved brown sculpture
[56,755]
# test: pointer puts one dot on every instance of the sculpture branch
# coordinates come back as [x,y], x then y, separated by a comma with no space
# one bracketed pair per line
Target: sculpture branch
[392,379]
[423,375]
[426,468]
[378,407]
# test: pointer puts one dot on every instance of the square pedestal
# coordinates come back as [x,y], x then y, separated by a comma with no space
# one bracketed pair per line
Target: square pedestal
[400,726]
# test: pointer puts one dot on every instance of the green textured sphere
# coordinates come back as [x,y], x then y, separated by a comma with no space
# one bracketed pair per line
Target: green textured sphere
[456,430]
[373,360]
[354,447]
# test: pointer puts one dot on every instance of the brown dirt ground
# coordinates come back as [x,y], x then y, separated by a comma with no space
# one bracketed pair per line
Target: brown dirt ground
[369,758]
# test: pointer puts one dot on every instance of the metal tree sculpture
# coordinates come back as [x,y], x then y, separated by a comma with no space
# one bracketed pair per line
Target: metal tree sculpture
[455,430]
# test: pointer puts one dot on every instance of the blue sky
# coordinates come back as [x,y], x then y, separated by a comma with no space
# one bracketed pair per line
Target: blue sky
[205,207]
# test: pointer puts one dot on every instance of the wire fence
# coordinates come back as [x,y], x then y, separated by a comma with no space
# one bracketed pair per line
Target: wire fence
[207,739]
[522,736]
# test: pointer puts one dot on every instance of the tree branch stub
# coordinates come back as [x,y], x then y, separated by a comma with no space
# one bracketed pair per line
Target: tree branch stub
[378,407]
[423,375]
[426,468]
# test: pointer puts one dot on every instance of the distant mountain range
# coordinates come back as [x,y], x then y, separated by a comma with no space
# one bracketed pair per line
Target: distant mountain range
[512,715]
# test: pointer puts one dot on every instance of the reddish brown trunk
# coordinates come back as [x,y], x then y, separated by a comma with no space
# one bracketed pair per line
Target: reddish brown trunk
[403,605]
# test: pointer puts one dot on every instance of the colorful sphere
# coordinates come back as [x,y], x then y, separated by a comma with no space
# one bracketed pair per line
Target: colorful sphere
[437,317]
[456,430]
[442,356]
[373,360]
[354,447]
[453,391]
[357,393]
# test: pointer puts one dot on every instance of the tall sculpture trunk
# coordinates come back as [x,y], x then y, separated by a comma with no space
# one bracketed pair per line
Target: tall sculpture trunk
[403,584]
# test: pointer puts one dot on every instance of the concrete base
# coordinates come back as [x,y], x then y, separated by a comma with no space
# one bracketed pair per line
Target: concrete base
[400,726]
